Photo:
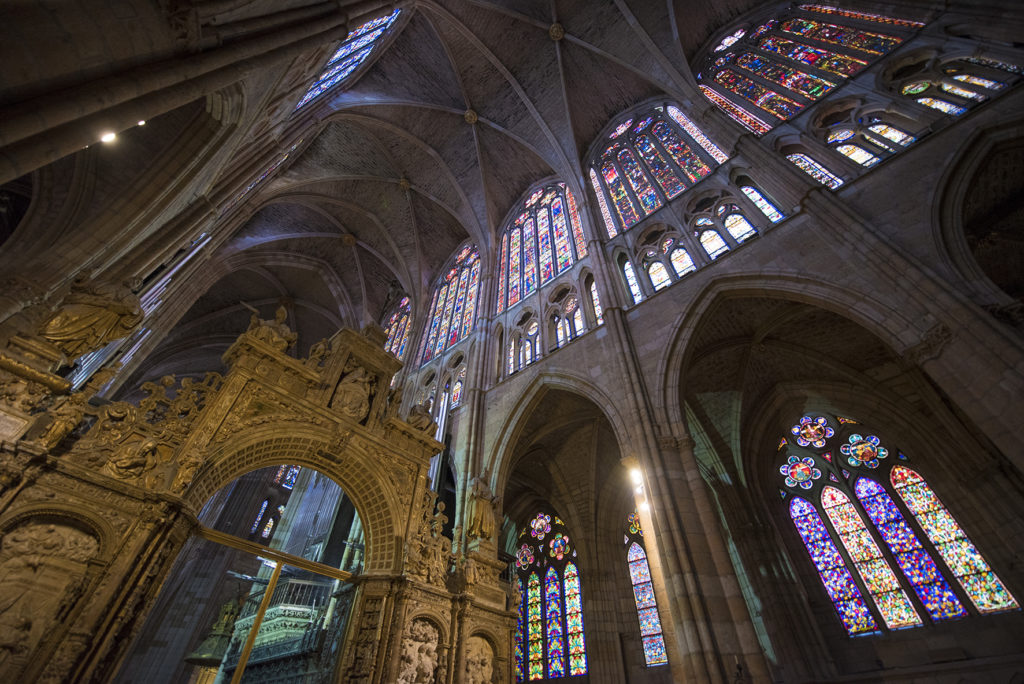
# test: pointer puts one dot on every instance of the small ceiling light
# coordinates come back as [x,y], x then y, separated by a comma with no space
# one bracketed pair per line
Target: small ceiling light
[142,122]
[109,136]
[636,476]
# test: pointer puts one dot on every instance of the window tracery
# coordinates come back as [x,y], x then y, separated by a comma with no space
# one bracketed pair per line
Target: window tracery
[550,639]
[646,161]
[544,240]
[524,343]
[901,557]
[453,306]
[953,86]
[353,51]
[815,170]
[775,70]
[651,636]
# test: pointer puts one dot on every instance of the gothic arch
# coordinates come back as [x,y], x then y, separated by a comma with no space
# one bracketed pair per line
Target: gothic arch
[361,478]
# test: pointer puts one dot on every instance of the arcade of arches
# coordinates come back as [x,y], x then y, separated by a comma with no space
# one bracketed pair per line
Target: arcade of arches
[487,341]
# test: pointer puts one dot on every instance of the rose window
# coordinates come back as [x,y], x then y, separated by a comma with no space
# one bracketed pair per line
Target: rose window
[800,472]
[863,451]
[812,431]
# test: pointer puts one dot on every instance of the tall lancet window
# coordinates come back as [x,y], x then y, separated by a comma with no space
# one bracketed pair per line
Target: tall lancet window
[550,640]
[397,328]
[882,542]
[453,306]
[643,593]
[542,239]
[646,160]
[763,74]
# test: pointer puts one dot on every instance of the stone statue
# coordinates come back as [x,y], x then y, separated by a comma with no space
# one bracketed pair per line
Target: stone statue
[420,418]
[132,461]
[479,661]
[275,332]
[67,413]
[419,658]
[187,468]
[481,523]
[318,352]
[352,397]
[90,316]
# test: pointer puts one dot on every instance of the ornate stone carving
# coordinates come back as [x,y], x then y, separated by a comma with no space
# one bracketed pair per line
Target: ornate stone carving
[479,661]
[132,462]
[365,641]
[274,333]
[21,394]
[482,507]
[931,345]
[418,659]
[352,397]
[91,315]
[66,414]
[318,352]
[420,418]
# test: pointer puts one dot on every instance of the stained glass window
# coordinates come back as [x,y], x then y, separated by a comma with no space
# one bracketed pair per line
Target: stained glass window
[520,650]
[762,97]
[800,82]
[659,276]
[815,170]
[857,154]
[651,636]
[713,243]
[865,16]
[839,583]
[893,134]
[962,92]
[864,41]
[737,113]
[563,252]
[577,226]
[766,207]
[286,475]
[259,516]
[634,287]
[978,81]
[267,529]
[596,300]
[739,227]
[354,50]
[453,308]
[502,264]
[852,500]
[550,641]
[662,151]
[547,264]
[514,265]
[682,263]
[981,585]
[941,105]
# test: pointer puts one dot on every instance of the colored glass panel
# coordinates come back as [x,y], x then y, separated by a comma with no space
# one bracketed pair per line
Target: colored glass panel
[737,113]
[893,134]
[978,81]
[659,166]
[659,275]
[256,522]
[563,252]
[649,199]
[865,41]
[520,653]
[984,588]
[765,98]
[437,312]
[621,128]
[836,578]
[267,529]
[766,207]
[620,199]
[547,270]
[695,133]
[819,58]
[840,135]
[553,621]
[857,154]
[800,82]
[739,227]
[713,243]
[892,602]
[941,105]
[646,606]
[609,224]
[691,164]
[995,64]
[730,40]
[460,301]
[474,287]
[574,621]
[529,258]
[815,170]
[577,225]
[502,265]
[634,287]
[682,263]
[446,319]
[514,266]
[918,566]
[962,92]
[865,16]
[534,628]
[596,300]
[357,47]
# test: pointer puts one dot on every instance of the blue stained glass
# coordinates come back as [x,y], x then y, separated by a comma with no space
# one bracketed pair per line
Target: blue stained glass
[664,174]
[639,572]
[654,650]
[649,199]
[650,623]
[644,595]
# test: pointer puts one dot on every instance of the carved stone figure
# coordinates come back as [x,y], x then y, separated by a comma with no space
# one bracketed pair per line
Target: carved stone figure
[420,418]
[352,397]
[275,332]
[479,661]
[318,352]
[419,658]
[481,512]
[132,461]
[188,465]
[90,316]
[66,414]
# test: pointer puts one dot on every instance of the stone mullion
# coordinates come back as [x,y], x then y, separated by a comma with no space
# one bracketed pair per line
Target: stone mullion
[776,176]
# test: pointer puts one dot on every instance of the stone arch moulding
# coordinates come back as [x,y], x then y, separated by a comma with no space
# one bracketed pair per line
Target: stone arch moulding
[947,211]
[54,513]
[898,330]
[530,398]
[362,477]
